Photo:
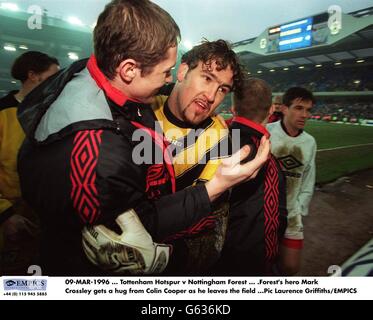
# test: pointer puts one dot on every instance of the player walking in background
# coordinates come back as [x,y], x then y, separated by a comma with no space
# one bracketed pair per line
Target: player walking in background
[296,151]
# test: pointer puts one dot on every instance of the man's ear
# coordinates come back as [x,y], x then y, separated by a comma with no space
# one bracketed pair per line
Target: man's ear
[127,70]
[182,71]
[33,76]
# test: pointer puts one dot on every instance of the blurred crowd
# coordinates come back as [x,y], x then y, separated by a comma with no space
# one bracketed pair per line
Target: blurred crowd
[323,79]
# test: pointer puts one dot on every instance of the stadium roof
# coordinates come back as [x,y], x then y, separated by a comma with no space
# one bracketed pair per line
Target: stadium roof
[69,42]
[354,40]
[58,38]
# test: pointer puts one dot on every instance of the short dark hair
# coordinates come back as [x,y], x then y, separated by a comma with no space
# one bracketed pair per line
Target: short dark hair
[133,29]
[297,93]
[35,61]
[254,100]
[219,51]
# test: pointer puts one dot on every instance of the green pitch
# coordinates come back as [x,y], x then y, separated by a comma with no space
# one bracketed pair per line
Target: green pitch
[348,157]
[330,135]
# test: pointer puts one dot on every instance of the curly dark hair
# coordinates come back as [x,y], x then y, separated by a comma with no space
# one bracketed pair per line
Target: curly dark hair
[219,51]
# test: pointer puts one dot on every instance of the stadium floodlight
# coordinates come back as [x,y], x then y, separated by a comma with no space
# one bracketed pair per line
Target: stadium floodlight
[357,81]
[73,56]
[13,81]
[75,21]
[9,6]
[301,67]
[285,69]
[272,70]
[23,47]
[259,71]
[9,47]
[188,44]
[337,63]
[360,61]
[248,72]
[318,65]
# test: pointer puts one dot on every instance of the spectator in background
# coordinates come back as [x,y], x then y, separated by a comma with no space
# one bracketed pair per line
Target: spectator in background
[296,150]
[276,110]
[17,223]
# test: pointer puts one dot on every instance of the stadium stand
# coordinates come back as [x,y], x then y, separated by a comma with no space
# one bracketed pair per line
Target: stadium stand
[350,76]
[66,40]
[343,111]
[332,58]
[56,37]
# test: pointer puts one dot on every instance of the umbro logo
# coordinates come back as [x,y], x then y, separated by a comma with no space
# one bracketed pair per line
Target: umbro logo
[290,162]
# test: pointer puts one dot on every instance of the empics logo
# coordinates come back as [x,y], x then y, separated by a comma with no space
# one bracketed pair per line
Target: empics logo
[10,283]
[25,284]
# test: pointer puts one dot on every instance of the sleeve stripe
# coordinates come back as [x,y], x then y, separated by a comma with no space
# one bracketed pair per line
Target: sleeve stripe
[83,174]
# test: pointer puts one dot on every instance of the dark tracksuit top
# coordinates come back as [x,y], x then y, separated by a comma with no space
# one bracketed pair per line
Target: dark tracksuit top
[76,166]
[258,215]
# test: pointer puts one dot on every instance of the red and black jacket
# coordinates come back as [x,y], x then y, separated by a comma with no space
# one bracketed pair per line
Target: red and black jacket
[76,166]
[275,116]
[258,215]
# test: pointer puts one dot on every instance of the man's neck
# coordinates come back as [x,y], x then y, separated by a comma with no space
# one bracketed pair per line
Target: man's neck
[170,113]
[24,91]
[119,85]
